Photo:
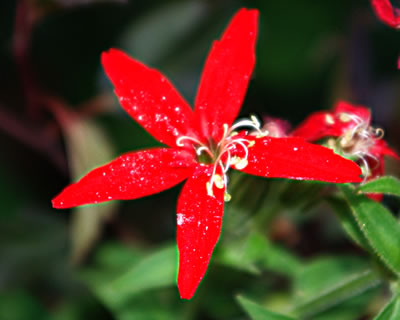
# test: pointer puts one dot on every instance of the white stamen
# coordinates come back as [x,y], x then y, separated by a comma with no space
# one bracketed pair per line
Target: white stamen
[253,123]
[201,149]
[180,139]
[358,141]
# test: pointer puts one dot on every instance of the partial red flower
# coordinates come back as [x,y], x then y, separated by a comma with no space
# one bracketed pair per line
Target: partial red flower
[386,12]
[388,15]
[202,145]
[354,137]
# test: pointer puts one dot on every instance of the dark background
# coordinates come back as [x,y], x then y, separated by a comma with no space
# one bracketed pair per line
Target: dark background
[59,118]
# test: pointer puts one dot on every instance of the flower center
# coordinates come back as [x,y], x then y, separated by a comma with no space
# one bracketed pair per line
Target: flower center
[219,154]
[358,141]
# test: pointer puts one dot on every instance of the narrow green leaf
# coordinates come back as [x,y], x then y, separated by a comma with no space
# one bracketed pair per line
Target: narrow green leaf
[315,292]
[396,310]
[387,185]
[257,312]
[348,222]
[378,225]
[387,311]
[154,271]
[344,290]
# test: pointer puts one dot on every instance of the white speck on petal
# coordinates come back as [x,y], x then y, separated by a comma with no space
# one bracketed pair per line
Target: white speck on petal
[180,218]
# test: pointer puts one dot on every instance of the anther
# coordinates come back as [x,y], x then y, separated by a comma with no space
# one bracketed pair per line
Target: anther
[344,117]
[219,181]
[209,189]
[241,164]
[329,119]
[227,197]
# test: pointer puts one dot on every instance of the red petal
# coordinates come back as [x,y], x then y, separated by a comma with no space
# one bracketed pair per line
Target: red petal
[226,75]
[148,97]
[356,110]
[386,13]
[377,169]
[317,126]
[381,148]
[324,124]
[132,175]
[294,158]
[199,219]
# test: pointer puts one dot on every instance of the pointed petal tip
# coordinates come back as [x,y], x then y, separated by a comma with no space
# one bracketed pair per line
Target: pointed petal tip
[107,55]
[57,203]
[248,12]
[186,293]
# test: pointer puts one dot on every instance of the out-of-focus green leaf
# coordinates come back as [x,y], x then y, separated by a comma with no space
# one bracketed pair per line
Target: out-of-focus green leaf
[378,225]
[157,270]
[152,306]
[114,256]
[396,310]
[9,196]
[155,34]
[255,252]
[19,305]
[388,311]
[281,261]
[328,282]
[87,148]
[258,312]
[387,185]
[348,222]
[28,242]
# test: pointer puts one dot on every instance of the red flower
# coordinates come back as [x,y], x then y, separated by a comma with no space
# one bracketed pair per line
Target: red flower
[387,13]
[203,145]
[356,138]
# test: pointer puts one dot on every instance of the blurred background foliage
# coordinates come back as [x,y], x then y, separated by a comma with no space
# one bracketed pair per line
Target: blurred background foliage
[282,246]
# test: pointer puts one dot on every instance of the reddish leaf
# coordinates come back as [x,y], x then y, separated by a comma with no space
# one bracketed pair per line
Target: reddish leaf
[199,219]
[294,158]
[130,176]
[226,75]
[148,97]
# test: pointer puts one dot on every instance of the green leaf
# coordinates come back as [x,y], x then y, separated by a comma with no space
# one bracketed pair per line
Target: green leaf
[258,312]
[154,271]
[254,252]
[316,292]
[348,222]
[378,225]
[20,305]
[387,185]
[391,309]
[154,35]
[396,310]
